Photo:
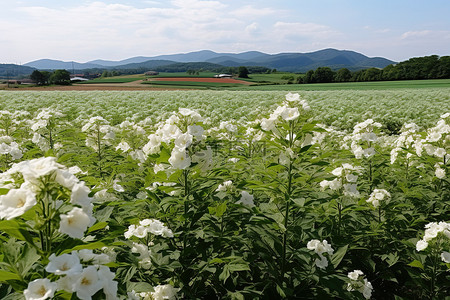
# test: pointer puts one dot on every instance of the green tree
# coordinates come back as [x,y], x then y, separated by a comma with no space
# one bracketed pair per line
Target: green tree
[323,74]
[243,72]
[309,77]
[372,74]
[289,78]
[390,72]
[38,77]
[343,75]
[60,77]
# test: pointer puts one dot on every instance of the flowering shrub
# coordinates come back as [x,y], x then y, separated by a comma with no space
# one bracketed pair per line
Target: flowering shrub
[259,198]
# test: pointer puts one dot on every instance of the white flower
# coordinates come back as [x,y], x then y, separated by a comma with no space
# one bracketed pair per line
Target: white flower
[377,195]
[40,289]
[179,159]
[35,168]
[421,245]
[183,141]
[320,248]
[163,292]
[124,146]
[226,185]
[66,178]
[88,283]
[268,124]
[80,195]
[355,274]
[445,256]
[65,264]
[16,202]
[195,130]
[350,189]
[75,223]
[367,289]
[292,97]
[133,295]
[246,199]
[440,173]
[109,285]
[322,262]
[290,114]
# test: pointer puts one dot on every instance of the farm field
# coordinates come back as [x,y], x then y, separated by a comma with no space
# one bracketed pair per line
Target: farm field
[246,194]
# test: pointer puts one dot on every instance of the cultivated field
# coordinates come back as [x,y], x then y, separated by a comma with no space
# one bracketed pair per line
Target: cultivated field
[329,194]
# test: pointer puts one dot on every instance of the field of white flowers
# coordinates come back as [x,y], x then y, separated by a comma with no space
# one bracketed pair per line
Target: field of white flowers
[225,195]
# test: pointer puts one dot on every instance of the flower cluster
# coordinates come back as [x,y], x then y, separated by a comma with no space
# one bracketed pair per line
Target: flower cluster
[9,147]
[74,277]
[29,189]
[43,126]
[10,122]
[346,177]
[378,195]
[436,232]
[131,137]
[409,138]
[320,248]
[98,131]
[182,131]
[147,226]
[359,283]
[160,292]
[363,138]
[289,111]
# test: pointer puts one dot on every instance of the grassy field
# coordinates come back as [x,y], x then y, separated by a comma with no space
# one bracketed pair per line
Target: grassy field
[184,74]
[118,79]
[375,85]
[193,84]
[270,78]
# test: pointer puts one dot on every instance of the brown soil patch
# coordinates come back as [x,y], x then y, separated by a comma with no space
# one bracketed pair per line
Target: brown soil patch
[95,87]
[217,80]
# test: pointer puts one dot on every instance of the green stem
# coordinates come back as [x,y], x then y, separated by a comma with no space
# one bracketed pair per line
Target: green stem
[286,220]
[339,218]
[435,259]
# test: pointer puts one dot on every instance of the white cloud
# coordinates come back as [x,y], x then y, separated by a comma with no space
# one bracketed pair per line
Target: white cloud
[426,34]
[316,31]
[250,12]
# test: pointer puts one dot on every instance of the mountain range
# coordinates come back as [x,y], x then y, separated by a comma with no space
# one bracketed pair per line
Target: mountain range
[292,62]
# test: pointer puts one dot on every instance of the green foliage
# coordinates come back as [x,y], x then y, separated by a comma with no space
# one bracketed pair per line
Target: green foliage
[60,77]
[239,218]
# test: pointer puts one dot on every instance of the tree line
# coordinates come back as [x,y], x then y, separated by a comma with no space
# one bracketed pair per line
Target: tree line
[59,77]
[427,67]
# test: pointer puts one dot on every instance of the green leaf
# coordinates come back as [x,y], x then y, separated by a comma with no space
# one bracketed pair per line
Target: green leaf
[338,256]
[416,264]
[5,276]
[12,228]
[225,274]
[221,209]
[280,291]
[91,246]
[300,202]
[97,226]
[238,267]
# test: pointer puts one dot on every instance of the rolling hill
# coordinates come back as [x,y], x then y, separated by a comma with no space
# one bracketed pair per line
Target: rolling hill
[292,62]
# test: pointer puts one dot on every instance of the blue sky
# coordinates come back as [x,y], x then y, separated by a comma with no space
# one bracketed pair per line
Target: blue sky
[115,30]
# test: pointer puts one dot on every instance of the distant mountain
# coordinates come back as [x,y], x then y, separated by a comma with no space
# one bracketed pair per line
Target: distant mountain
[147,65]
[292,62]
[50,64]
[302,62]
[111,63]
[14,71]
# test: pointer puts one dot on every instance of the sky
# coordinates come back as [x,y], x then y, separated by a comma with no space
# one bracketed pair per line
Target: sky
[84,30]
